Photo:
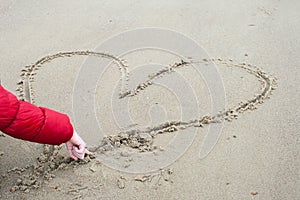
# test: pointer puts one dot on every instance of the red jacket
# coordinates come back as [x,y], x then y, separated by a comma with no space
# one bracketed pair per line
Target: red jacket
[25,121]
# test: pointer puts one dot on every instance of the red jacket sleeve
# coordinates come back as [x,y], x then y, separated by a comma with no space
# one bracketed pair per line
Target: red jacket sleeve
[25,121]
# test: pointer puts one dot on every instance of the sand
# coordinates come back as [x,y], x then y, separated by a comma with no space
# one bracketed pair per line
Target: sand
[155,109]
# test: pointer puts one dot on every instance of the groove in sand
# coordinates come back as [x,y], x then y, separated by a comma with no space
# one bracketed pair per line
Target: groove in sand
[140,139]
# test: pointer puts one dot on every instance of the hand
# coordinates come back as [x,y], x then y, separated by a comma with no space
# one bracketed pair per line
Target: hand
[76,147]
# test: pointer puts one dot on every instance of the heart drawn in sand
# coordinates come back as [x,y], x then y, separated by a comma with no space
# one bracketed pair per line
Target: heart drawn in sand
[137,143]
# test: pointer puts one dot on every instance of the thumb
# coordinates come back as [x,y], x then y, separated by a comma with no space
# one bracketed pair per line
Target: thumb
[77,154]
[80,150]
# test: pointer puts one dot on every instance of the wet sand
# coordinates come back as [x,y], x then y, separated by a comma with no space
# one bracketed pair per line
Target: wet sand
[253,45]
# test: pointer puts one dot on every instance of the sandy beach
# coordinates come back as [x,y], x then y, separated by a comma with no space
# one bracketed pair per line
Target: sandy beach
[176,99]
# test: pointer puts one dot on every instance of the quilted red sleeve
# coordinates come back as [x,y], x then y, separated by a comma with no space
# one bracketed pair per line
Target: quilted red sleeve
[25,121]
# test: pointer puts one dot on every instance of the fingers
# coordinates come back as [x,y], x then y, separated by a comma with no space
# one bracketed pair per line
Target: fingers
[75,152]
[76,147]
[81,148]
[87,152]
[69,147]
[71,154]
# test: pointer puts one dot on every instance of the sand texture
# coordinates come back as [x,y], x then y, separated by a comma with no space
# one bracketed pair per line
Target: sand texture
[215,122]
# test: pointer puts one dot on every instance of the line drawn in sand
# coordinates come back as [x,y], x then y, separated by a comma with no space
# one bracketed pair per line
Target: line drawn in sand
[141,140]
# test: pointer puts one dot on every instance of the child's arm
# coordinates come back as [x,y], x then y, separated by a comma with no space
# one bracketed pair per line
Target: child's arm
[25,121]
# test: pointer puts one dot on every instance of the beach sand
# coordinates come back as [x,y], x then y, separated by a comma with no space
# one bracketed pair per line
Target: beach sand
[156,131]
